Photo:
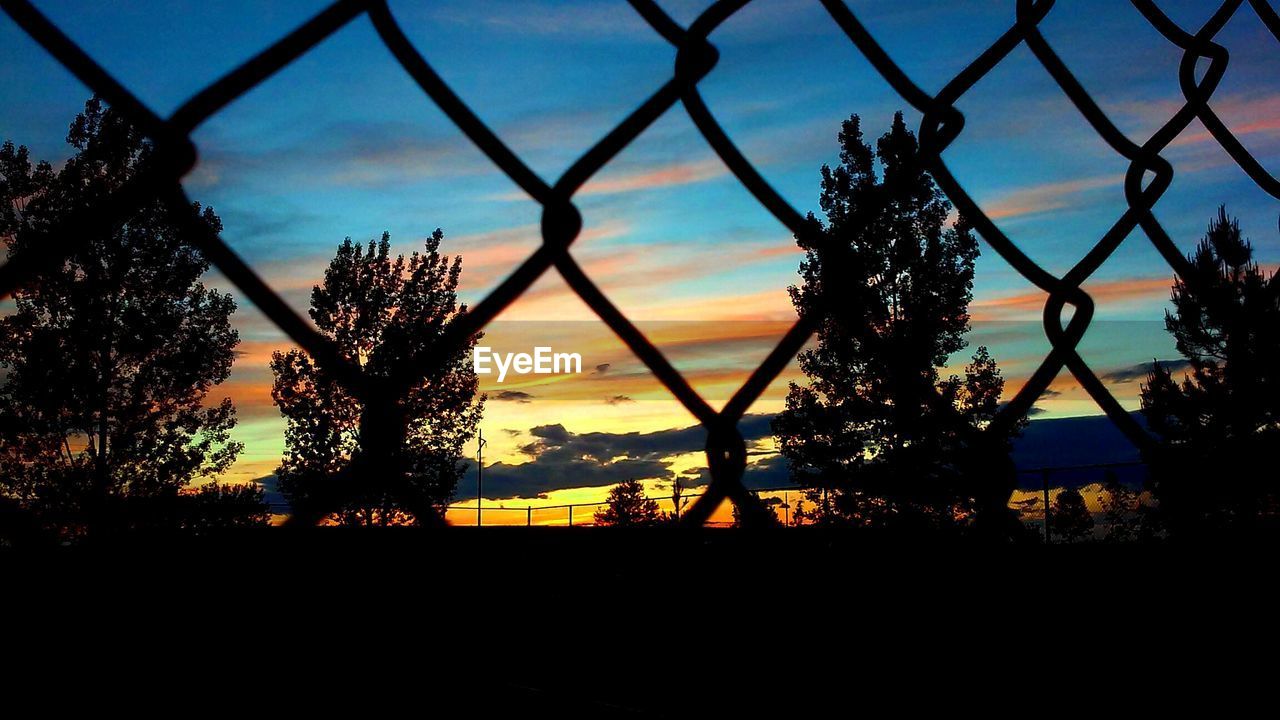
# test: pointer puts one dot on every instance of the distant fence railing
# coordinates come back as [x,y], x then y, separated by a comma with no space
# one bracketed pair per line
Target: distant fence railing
[1033,500]
[583,513]
[579,514]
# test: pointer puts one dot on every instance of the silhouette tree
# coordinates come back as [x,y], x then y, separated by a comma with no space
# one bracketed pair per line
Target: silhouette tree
[108,358]
[628,507]
[877,435]
[766,515]
[386,314]
[1225,414]
[1121,508]
[1070,518]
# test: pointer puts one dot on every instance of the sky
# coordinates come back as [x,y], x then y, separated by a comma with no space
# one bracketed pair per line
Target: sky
[342,143]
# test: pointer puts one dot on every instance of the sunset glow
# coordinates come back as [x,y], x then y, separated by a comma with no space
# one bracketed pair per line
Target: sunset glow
[341,143]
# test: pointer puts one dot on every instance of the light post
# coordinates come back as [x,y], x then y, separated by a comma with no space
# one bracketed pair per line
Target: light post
[479,473]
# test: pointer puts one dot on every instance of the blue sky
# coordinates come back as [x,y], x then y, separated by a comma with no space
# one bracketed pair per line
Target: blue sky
[342,143]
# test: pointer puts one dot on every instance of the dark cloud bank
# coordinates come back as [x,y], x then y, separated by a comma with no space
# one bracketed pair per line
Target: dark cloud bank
[1139,372]
[562,459]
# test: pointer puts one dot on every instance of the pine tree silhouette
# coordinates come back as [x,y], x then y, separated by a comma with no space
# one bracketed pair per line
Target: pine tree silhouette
[877,434]
[1223,418]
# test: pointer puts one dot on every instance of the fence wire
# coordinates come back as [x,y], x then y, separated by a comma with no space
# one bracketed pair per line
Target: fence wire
[940,125]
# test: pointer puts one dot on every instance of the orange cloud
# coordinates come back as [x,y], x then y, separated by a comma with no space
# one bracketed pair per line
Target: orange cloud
[1103,293]
[1046,197]
[1257,126]
[1251,116]
[782,250]
[627,275]
[251,398]
[489,257]
[257,353]
[666,176]
[771,305]
[659,177]
[698,334]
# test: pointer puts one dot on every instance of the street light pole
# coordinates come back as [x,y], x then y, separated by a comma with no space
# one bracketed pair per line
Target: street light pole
[479,474]
[1044,474]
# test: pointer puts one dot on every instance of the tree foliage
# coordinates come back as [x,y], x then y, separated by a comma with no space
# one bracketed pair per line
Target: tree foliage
[107,359]
[385,314]
[1127,517]
[878,434]
[1224,416]
[1070,518]
[765,516]
[628,507]
[225,505]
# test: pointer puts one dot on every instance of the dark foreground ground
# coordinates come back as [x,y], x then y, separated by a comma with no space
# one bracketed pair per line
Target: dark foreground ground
[588,622]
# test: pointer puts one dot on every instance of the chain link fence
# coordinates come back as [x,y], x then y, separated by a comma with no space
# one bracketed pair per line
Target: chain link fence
[696,56]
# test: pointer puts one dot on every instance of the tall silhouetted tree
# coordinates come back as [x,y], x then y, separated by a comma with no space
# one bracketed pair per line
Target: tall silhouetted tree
[1120,507]
[877,434]
[1070,518]
[1223,419]
[109,357]
[627,506]
[385,314]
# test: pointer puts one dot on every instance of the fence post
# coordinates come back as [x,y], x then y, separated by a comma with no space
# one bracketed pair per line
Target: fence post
[570,516]
[528,518]
[1044,474]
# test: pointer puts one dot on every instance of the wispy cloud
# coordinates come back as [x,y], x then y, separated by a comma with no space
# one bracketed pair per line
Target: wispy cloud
[365,154]
[1251,114]
[648,178]
[572,20]
[487,257]
[765,305]
[627,272]
[1243,114]
[252,398]
[518,396]
[1141,370]
[1103,293]
[256,353]
[666,176]
[1268,125]
[1047,197]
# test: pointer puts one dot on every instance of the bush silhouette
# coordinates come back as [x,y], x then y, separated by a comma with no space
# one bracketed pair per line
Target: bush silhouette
[628,507]
[1070,518]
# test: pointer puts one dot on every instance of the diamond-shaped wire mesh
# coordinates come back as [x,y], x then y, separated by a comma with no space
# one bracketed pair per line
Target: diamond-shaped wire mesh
[940,125]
